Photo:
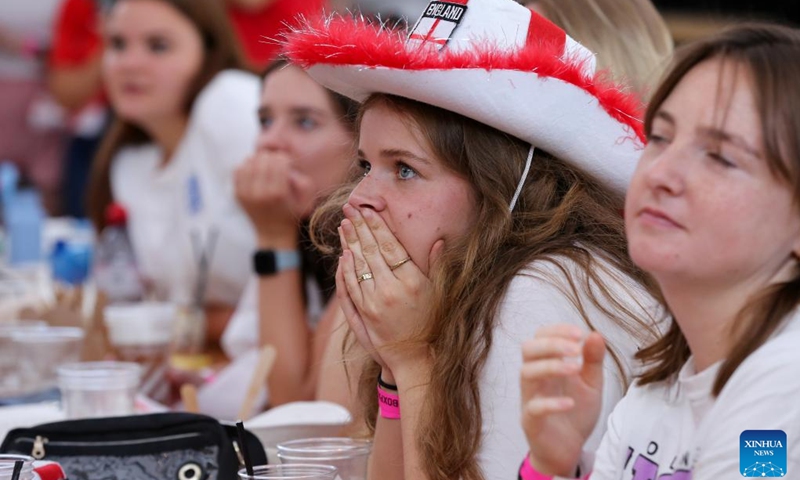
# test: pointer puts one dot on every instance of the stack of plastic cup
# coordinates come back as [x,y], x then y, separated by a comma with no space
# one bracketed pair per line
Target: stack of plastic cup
[348,455]
[7,467]
[98,389]
[9,373]
[40,351]
[290,472]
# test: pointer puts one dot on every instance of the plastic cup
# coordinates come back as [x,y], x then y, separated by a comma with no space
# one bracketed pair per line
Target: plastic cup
[98,389]
[7,467]
[290,472]
[40,351]
[141,333]
[137,324]
[9,373]
[348,455]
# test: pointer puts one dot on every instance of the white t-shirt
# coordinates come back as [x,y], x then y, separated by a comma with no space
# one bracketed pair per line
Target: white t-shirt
[535,298]
[677,430]
[173,210]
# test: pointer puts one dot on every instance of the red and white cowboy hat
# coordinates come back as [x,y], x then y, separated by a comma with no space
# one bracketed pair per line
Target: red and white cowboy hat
[494,61]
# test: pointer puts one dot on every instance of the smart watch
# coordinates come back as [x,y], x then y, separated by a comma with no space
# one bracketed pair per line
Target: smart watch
[270,262]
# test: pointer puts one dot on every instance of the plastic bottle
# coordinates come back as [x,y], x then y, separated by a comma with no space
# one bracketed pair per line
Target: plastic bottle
[23,219]
[115,269]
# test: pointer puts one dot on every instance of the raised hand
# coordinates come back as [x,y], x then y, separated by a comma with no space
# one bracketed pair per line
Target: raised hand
[561,396]
[274,195]
[388,296]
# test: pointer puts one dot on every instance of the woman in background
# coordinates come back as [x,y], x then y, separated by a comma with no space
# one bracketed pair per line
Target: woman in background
[629,37]
[303,152]
[184,106]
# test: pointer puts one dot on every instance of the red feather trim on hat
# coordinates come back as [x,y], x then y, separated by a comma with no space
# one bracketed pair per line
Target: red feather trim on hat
[348,41]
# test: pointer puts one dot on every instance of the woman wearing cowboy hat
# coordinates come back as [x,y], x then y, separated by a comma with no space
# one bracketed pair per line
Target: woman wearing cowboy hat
[493,167]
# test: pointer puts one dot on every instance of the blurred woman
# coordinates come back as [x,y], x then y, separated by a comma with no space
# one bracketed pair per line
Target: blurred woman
[184,108]
[629,37]
[304,150]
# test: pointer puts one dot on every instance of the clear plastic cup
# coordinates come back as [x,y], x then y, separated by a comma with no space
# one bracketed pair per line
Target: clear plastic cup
[141,332]
[98,389]
[7,467]
[39,353]
[290,472]
[9,373]
[348,455]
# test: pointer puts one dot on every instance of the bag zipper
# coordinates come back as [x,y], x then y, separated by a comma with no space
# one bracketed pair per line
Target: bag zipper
[38,450]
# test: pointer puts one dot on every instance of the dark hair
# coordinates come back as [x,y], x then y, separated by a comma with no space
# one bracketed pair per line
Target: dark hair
[771,55]
[563,215]
[222,52]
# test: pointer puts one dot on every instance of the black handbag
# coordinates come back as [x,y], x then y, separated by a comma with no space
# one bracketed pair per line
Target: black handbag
[164,446]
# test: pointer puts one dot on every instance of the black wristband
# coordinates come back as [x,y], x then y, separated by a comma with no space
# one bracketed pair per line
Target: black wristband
[386,386]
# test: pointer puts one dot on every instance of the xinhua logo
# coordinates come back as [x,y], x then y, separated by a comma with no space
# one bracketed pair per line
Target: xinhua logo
[762,453]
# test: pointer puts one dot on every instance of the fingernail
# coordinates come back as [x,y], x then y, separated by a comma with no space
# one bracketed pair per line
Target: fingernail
[348,210]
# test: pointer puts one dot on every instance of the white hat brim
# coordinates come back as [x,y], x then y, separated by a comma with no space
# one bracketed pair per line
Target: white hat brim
[549,113]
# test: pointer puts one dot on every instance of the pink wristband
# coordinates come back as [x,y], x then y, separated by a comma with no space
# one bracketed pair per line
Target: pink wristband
[527,472]
[389,404]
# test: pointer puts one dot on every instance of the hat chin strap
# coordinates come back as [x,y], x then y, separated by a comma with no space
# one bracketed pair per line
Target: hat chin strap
[522,180]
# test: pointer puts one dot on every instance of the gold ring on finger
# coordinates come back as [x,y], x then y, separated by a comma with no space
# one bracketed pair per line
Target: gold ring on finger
[399,264]
[365,276]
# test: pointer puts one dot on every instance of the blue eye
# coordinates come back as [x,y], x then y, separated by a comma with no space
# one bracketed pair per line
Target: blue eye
[405,172]
[265,121]
[306,123]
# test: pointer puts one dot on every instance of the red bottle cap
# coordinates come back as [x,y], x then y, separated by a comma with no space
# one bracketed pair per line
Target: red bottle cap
[116,214]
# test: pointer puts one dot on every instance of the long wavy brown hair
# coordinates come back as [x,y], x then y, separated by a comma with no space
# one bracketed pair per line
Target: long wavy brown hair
[222,51]
[562,212]
[771,56]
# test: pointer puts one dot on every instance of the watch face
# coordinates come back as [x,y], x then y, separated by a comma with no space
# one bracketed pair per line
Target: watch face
[270,262]
[265,263]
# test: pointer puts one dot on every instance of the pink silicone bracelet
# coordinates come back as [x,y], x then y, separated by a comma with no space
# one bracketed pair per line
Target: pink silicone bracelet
[527,472]
[389,404]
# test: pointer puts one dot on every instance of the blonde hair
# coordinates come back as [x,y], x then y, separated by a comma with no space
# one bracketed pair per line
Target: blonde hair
[630,37]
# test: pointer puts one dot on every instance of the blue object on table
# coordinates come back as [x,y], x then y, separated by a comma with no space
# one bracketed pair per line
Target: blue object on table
[71,262]
[23,215]
[49,395]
